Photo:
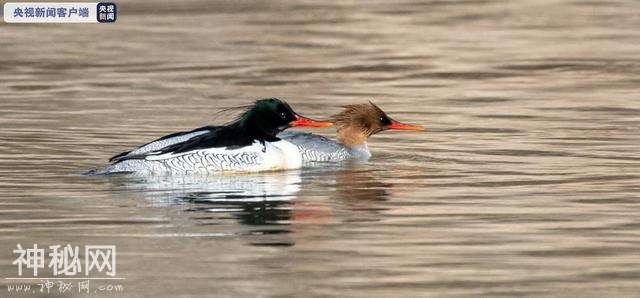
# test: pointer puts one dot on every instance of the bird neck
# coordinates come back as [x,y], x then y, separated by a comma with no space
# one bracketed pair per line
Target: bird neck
[252,131]
[351,137]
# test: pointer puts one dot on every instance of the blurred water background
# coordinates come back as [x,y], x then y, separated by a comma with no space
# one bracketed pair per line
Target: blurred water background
[525,184]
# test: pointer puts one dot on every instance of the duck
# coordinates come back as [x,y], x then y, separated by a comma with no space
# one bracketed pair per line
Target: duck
[247,144]
[354,125]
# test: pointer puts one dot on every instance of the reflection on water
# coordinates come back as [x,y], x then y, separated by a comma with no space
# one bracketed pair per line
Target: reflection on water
[256,187]
[525,184]
[253,199]
[258,199]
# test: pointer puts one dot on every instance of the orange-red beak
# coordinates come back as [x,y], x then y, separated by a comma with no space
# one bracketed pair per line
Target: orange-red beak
[401,126]
[303,121]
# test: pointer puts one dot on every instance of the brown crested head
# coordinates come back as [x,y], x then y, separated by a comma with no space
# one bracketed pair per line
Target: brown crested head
[359,121]
[367,118]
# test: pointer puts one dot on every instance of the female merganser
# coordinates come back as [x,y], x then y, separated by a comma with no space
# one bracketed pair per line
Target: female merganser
[354,125]
[248,144]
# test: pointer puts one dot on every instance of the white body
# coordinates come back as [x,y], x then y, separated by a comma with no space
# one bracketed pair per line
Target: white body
[256,157]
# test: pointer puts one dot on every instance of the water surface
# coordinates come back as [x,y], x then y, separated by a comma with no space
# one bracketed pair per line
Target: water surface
[525,184]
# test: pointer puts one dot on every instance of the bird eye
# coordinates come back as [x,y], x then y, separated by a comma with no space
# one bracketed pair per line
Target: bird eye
[282,115]
[381,119]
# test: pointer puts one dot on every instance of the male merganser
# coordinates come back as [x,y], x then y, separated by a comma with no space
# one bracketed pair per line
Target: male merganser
[354,125]
[248,144]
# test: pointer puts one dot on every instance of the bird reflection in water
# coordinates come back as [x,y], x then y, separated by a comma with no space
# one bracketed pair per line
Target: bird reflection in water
[263,196]
[355,189]
[268,205]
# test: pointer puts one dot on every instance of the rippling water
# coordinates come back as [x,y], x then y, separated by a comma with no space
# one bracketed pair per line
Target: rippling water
[526,182]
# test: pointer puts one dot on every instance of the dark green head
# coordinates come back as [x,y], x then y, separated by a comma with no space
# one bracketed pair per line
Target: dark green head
[271,116]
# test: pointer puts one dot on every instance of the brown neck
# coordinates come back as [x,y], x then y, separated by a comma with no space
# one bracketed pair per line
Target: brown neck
[351,137]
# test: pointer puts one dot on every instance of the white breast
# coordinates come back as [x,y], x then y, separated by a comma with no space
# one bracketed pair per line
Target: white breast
[289,154]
